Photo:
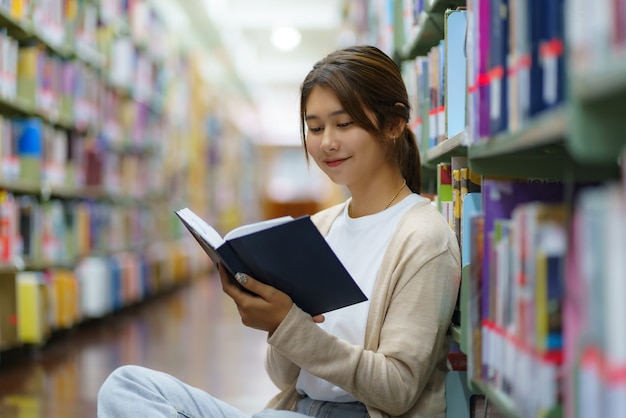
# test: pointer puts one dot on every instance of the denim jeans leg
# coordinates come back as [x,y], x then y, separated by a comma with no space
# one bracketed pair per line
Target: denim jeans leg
[323,409]
[134,391]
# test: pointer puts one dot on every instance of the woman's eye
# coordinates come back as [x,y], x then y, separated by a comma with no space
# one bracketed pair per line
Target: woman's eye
[315,129]
[345,124]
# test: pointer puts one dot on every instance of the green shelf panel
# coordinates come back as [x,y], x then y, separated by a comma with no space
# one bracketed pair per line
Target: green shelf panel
[17,30]
[429,34]
[597,112]
[591,86]
[20,187]
[465,317]
[502,401]
[6,268]
[15,107]
[505,404]
[455,333]
[438,154]
[430,30]
[22,107]
[25,32]
[45,192]
[429,179]
[538,150]
[451,147]
[440,6]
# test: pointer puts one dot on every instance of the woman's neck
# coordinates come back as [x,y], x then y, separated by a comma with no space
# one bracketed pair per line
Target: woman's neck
[377,196]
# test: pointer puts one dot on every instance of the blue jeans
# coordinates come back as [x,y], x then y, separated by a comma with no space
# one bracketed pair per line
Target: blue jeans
[322,409]
[134,391]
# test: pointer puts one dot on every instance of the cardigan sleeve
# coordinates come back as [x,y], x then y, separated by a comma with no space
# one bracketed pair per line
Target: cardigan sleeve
[413,339]
[282,371]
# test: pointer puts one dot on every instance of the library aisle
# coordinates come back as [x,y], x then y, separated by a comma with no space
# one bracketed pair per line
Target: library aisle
[193,332]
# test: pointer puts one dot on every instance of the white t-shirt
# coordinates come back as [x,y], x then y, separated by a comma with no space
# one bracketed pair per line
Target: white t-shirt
[360,244]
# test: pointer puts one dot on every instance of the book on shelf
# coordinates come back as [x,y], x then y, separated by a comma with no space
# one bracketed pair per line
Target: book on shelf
[444,192]
[464,181]
[498,68]
[474,302]
[286,253]
[455,71]
[500,198]
[471,207]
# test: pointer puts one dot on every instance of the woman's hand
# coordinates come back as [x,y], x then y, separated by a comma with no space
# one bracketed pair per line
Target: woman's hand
[265,309]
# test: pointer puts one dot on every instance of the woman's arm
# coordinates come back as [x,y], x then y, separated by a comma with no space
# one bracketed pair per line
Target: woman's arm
[413,341]
[282,371]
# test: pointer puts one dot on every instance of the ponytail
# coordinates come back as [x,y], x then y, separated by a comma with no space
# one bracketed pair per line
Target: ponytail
[409,161]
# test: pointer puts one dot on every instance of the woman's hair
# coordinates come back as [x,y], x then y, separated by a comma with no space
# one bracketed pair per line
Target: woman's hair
[365,79]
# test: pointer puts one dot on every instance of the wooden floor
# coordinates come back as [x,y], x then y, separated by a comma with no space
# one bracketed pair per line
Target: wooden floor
[193,332]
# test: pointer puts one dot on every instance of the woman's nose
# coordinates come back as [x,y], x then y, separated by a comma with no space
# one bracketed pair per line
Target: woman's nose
[329,142]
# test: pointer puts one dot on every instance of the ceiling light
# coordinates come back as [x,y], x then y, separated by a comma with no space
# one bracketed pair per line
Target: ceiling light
[286,38]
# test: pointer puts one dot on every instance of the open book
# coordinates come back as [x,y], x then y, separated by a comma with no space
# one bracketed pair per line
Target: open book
[286,253]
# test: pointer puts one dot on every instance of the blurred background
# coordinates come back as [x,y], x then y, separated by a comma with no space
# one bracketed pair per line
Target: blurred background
[253,57]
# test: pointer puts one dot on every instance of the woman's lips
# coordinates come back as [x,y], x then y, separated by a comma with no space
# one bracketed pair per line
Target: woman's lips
[335,163]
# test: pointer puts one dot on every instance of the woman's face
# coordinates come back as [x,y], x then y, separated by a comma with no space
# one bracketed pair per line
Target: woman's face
[346,152]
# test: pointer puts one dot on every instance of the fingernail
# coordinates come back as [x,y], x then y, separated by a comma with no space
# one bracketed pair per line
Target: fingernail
[241,278]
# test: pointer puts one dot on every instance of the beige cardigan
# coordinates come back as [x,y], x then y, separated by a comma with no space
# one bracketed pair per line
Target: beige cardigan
[401,369]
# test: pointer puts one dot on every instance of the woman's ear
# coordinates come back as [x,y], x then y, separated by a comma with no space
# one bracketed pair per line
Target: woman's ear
[396,128]
[400,123]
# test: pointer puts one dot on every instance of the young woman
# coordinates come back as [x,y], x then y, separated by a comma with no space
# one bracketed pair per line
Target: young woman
[384,357]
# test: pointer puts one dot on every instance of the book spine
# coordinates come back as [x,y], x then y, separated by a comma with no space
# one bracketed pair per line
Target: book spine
[455,72]
[498,67]
[31,308]
[484,37]
[444,191]
[474,304]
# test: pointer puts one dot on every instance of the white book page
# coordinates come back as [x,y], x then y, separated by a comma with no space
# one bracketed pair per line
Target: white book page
[201,227]
[255,227]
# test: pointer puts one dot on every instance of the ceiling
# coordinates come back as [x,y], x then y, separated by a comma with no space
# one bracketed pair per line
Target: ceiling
[239,33]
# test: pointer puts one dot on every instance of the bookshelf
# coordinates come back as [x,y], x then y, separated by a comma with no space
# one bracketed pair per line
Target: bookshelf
[429,29]
[576,140]
[451,147]
[596,108]
[95,154]
[540,149]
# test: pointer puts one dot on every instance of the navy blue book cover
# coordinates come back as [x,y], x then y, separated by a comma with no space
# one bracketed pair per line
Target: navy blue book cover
[293,257]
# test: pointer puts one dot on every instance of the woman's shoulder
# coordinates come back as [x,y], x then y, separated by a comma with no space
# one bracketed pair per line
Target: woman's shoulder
[423,223]
[424,214]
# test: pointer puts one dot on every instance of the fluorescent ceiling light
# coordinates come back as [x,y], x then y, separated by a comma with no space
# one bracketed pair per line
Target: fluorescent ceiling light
[285,38]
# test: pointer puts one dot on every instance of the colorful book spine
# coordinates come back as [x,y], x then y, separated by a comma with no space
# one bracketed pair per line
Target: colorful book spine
[433,85]
[457,164]
[423,101]
[498,68]
[484,38]
[444,192]
[470,183]
[552,54]
[32,299]
[595,349]
[29,137]
[66,297]
[471,100]
[95,283]
[455,72]
[8,227]
[474,304]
